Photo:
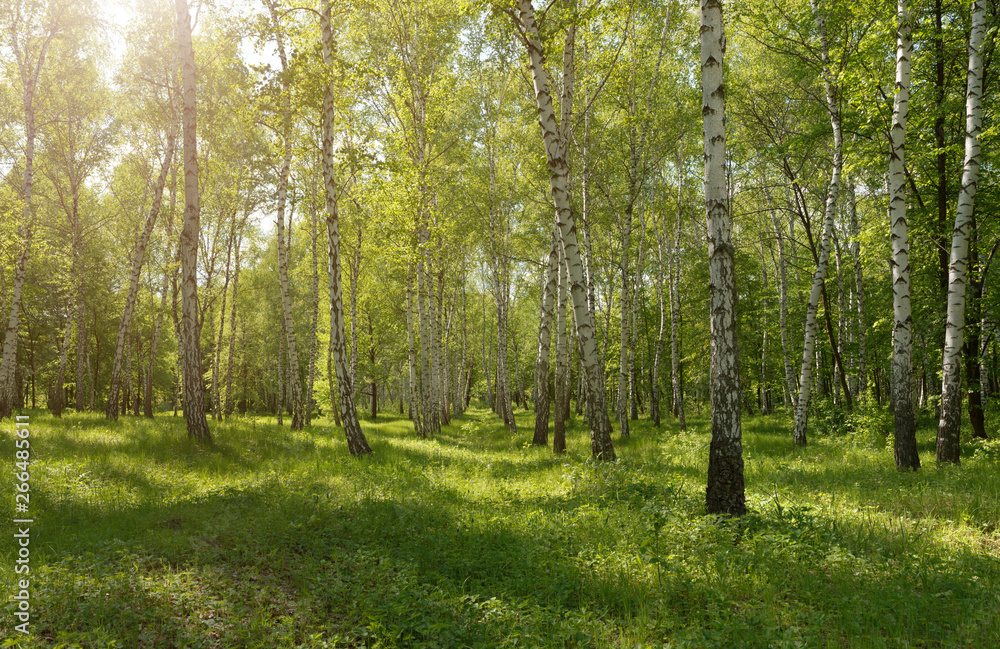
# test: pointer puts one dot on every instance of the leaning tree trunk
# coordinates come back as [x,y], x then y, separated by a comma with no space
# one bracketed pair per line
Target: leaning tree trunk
[138,258]
[194,400]
[556,153]
[725,492]
[902,330]
[819,277]
[549,288]
[948,442]
[357,444]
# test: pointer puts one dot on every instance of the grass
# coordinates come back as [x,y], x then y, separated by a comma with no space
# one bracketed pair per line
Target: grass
[275,539]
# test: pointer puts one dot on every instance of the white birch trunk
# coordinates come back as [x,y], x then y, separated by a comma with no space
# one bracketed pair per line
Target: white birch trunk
[556,150]
[725,492]
[357,444]
[948,441]
[549,289]
[194,401]
[819,277]
[902,331]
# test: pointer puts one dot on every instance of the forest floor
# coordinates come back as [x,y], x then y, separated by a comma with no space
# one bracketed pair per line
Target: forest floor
[274,539]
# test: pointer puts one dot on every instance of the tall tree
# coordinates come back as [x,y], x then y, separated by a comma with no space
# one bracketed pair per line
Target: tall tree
[194,400]
[806,375]
[556,141]
[357,444]
[138,258]
[30,32]
[948,442]
[902,331]
[725,492]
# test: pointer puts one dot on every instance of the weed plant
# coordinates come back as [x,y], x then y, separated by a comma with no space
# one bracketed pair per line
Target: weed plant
[276,539]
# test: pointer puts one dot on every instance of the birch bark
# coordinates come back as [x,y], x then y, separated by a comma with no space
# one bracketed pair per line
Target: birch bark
[819,277]
[549,288]
[902,331]
[725,492]
[138,258]
[194,401]
[357,444]
[556,150]
[948,442]
[294,372]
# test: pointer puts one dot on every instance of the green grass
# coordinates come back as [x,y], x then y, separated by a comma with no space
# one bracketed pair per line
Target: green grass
[274,539]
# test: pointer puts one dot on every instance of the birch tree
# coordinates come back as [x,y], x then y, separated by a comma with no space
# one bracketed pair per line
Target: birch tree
[806,375]
[194,401]
[902,331]
[138,258]
[357,444]
[725,492]
[29,35]
[948,442]
[556,141]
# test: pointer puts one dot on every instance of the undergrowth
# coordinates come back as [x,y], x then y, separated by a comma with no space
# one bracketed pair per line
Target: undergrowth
[274,539]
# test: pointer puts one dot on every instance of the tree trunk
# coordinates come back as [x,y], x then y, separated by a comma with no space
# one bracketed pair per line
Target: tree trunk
[232,330]
[859,293]
[411,358]
[314,323]
[902,362]
[59,397]
[357,444]
[676,369]
[559,427]
[556,150]
[654,395]
[288,325]
[194,401]
[948,442]
[549,288]
[725,492]
[819,277]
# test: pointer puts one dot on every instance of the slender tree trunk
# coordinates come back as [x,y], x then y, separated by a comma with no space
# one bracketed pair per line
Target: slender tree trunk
[676,369]
[549,289]
[725,492]
[314,324]
[948,442]
[559,428]
[138,258]
[654,395]
[791,399]
[217,352]
[902,363]
[357,444]
[557,149]
[971,346]
[859,282]
[288,324]
[819,277]
[411,358]
[59,396]
[194,401]
[232,330]
[355,270]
